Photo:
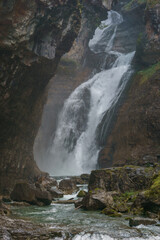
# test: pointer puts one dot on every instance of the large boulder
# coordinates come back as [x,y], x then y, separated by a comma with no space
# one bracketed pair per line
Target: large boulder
[121,179]
[25,192]
[68,186]
[47,182]
[97,200]
[56,193]
[4,209]
[149,201]
[43,197]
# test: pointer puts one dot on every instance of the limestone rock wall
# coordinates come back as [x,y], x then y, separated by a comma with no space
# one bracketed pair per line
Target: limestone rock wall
[34,34]
[33,37]
[135,136]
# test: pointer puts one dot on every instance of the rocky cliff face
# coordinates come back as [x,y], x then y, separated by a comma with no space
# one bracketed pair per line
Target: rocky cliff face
[135,137]
[33,37]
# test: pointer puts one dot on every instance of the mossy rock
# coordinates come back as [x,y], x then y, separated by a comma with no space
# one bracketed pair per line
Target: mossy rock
[81,194]
[133,4]
[111,212]
[146,74]
[154,191]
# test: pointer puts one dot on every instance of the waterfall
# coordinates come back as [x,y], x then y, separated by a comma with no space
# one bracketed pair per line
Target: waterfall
[75,149]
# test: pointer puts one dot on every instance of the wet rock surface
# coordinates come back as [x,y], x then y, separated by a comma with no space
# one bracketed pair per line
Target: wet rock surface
[11,228]
[56,193]
[97,200]
[68,186]
[128,190]
[138,221]
[24,192]
[4,209]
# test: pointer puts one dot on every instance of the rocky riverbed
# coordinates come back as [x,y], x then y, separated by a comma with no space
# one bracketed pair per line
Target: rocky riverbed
[121,203]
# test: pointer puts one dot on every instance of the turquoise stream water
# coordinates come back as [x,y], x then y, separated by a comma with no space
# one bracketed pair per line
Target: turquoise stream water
[90,224]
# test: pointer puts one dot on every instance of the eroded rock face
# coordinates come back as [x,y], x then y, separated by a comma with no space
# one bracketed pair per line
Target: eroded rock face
[135,134]
[33,37]
[151,47]
[135,137]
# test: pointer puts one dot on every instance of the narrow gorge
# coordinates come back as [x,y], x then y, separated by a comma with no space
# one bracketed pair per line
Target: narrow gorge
[79,120]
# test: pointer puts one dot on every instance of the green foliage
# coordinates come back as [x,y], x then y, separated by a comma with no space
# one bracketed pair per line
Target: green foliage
[154,191]
[129,6]
[152,3]
[81,193]
[111,212]
[80,6]
[126,197]
[149,72]
[139,39]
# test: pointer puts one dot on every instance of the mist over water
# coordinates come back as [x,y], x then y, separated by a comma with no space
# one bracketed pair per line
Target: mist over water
[75,149]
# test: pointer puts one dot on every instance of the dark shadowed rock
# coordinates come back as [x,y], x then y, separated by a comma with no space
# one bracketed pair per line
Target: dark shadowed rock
[4,209]
[33,37]
[25,192]
[47,182]
[78,180]
[138,221]
[68,186]
[78,203]
[70,201]
[56,193]
[85,177]
[44,197]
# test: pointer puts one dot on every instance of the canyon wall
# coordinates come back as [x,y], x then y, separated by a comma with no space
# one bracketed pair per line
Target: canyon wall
[135,134]
[74,68]
[33,37]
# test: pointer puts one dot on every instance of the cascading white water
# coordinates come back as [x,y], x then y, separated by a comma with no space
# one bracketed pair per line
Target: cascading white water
[75,149]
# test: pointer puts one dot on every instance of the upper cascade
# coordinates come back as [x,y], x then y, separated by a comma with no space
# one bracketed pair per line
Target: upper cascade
[75,147]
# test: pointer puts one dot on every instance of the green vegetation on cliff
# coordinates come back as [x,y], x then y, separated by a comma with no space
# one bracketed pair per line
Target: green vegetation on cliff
[133,4]
[149,72]
[152,3]
[154,191]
